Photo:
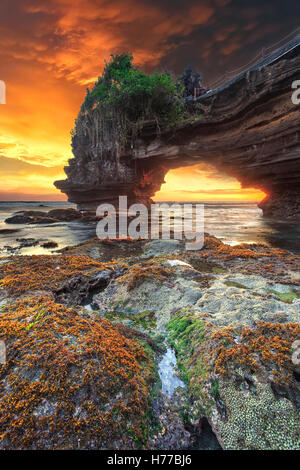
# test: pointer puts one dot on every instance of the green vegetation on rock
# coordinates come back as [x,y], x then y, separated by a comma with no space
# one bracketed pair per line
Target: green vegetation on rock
[182,330]
[287,297]
[125,100]
[235,284]
[145,319]
[136,94]
[205,266]
[244,375]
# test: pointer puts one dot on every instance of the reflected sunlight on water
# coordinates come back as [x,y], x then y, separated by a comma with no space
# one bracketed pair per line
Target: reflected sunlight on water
[233,223]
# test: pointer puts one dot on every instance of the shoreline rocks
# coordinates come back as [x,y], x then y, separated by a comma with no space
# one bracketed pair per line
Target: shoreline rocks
[51,217]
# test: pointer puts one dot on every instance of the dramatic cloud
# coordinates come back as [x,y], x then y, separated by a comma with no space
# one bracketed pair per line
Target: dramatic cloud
[51,51]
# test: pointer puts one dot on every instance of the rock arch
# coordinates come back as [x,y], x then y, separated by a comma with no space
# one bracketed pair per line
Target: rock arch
[249,129]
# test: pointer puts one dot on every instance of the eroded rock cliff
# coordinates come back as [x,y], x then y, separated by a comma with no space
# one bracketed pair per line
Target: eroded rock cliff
[249,129]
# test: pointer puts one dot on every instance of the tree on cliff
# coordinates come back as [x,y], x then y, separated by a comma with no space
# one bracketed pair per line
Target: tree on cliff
[137,95]
[123,100]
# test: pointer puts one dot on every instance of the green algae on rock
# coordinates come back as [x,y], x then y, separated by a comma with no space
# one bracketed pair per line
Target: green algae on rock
[242,380]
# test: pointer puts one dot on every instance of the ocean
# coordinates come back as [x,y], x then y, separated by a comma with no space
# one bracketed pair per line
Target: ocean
[232,222]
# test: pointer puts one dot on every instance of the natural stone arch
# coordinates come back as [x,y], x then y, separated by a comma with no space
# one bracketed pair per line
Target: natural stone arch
[203,182]
[250,129]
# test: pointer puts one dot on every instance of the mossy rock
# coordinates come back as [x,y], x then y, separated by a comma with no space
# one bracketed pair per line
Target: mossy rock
[145,320]
[235,284]
[231,374]
[287,297]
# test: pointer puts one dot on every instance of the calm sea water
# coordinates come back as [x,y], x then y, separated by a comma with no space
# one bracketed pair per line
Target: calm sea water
[64,234]
[233,223]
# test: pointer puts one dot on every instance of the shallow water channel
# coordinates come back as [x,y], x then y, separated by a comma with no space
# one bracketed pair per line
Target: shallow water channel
[167,373]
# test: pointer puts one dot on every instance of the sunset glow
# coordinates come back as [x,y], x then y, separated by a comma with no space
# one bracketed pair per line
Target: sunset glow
[51,51]
[204,183]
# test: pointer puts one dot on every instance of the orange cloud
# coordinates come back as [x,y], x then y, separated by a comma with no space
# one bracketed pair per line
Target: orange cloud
[89,31]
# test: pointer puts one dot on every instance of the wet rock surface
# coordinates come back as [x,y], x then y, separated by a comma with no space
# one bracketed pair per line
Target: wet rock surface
[7,231]
[21,243]
[65,214]
[19,219]
[50,244]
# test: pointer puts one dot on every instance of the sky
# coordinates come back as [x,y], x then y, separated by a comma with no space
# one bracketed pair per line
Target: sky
[50,51]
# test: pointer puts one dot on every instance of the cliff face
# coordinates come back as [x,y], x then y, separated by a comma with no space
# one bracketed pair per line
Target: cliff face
[249,129]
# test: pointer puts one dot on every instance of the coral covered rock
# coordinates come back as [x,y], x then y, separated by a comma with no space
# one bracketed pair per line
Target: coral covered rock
[243,380]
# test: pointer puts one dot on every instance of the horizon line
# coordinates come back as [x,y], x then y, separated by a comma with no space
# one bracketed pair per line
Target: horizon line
[160,201]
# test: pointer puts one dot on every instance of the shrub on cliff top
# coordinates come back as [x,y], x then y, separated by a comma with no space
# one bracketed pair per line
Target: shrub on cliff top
[138,95]
[123,100]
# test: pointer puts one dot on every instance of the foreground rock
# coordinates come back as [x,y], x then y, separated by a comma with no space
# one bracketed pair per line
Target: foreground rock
[66,215]
[70,382]
[50,244]
[233,330]
[52,217]
[232,314]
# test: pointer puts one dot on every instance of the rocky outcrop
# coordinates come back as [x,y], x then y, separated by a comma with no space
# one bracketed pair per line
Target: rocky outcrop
[51,217]
[249,129]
